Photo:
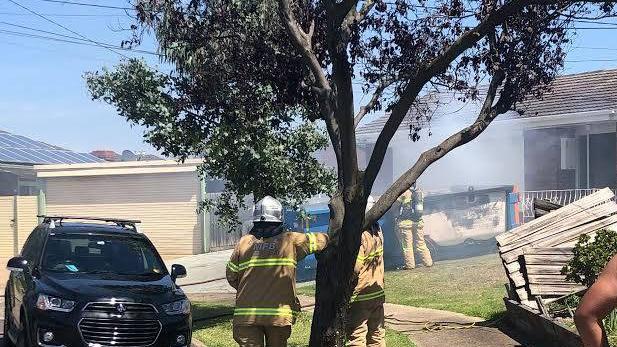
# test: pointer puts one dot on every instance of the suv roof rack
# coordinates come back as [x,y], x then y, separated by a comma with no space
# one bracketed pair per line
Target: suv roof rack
[132,223]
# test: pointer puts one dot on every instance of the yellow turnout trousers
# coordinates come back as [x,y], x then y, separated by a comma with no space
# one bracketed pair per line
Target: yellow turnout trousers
[261,335]
[411,236]
[366,325]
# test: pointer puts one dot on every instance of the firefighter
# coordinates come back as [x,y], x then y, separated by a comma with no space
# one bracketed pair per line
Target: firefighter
[262,269]
[410,229]
[366,314]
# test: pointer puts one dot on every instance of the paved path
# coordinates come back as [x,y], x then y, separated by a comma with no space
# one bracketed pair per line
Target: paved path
[205,267]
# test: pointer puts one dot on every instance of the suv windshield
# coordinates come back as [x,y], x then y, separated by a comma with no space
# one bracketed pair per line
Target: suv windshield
[84,253]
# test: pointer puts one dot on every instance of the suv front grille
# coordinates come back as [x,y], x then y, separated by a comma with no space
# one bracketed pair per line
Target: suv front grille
[128,307]
[119,332]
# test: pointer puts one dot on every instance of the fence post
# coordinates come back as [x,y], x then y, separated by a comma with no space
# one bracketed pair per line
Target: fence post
[15,225]
[41,205]
[204,215]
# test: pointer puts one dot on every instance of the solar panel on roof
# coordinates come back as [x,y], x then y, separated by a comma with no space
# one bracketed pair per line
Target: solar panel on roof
[20,149]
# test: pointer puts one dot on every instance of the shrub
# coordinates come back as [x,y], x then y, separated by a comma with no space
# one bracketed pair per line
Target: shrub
[590,257]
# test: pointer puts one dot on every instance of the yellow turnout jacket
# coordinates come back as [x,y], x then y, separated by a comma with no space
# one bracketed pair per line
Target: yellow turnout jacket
[263,271]
[370,268]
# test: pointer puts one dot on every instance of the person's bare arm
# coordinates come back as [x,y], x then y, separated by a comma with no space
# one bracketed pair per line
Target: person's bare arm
[598,302]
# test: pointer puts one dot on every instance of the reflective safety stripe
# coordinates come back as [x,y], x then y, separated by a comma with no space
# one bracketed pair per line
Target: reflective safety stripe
[312,243]
[366,297]
[260,311]
[371,255]
[233,267]
[258,262]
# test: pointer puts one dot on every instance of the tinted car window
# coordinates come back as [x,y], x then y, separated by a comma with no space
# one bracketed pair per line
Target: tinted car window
[83,253]
[33,246]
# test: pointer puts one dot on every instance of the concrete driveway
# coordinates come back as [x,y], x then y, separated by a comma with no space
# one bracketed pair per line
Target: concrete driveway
[208,267]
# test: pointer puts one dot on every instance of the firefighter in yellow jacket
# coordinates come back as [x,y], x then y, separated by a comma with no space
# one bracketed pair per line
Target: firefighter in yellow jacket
[410,229]
[262,269]
[366,314]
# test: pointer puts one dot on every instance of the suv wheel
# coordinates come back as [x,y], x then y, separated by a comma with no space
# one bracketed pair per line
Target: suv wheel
[7,341]
[23,336]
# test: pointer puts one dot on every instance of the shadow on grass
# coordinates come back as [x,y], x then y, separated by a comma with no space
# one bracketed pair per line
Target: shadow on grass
[203,312]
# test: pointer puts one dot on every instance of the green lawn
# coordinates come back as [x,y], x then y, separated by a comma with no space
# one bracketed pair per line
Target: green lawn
[218,332]
[473,286]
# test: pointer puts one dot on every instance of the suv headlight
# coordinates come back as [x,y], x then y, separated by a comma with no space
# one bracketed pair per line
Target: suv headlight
[53,303]
[177,307]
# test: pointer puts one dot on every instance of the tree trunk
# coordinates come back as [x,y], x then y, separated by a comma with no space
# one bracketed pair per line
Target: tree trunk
[335,279]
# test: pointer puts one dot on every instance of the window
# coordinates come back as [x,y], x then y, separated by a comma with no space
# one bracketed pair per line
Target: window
[33,246]
[85,253]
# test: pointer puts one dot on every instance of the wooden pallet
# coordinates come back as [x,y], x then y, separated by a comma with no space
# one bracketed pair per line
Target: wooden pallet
[534,253]
[541,275]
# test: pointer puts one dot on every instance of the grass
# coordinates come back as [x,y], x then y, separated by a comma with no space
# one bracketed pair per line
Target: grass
[473,286]
[217,332]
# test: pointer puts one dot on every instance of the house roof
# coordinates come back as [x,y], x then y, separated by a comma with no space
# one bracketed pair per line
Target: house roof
[577,93]
[17,149]
[569,94]
[117,168]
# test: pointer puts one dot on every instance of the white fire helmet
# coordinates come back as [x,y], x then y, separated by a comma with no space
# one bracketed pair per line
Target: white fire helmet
[370,202]
[268,209]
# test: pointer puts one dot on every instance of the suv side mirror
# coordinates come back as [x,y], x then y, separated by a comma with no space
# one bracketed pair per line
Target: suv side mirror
[17,264]
[177,271]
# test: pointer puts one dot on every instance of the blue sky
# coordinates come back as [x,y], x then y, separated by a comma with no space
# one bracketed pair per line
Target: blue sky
[43,94]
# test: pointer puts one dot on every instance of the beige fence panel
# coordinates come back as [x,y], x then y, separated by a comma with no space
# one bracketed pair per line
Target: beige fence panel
[17,219]
[7,232]
[27,207]
[7,235]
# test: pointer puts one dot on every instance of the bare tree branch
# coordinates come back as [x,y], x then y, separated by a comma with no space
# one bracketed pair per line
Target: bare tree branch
[303,42]
[356,16]
[486,115]
[364,110]
[366,8]
[435,67]
[342,95]
[335,139]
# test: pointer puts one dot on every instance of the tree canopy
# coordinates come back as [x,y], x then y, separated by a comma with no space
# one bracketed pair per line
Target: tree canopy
[257,148]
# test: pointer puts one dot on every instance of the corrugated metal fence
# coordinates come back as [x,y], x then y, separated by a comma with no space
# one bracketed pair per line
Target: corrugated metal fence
[221,236]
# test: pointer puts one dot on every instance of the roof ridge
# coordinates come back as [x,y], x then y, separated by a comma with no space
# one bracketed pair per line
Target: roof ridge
[587,73]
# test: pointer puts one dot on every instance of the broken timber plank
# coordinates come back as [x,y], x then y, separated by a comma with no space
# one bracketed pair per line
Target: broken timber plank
[542,207]
[522,293]
[518,279]
[547,259]
[573,235]
[577,206]
[513,266]
[552,250]
[554,289]
[544,269]
[566,223]
[547,279]
[555,237]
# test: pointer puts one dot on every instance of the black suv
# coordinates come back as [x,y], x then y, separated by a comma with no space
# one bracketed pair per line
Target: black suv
[93,284]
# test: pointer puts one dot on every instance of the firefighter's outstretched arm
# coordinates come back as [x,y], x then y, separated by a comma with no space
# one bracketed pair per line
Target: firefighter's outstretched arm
[360,260]
[310,243]
[233,269]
